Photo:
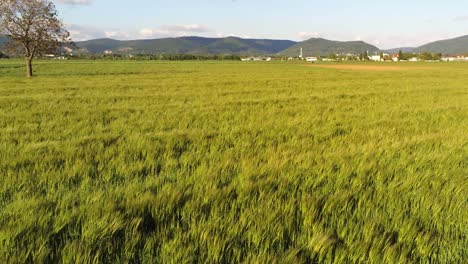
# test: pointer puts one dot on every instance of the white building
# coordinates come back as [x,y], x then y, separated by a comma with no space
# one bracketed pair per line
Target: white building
[452,58]
[311,59]
[448,59]
[375,58]
[256,59]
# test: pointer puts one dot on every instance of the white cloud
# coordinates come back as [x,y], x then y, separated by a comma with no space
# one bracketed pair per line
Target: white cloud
[79,33]
[185,28]
[308,35]
[225,35]
[117,34]
[175,31]
[146,32]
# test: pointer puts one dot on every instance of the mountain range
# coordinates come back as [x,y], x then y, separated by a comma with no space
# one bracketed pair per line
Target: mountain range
[229,45]
[247,47]
[187,45]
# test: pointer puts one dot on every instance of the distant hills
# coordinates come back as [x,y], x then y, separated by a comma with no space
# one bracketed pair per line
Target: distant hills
[229,45]
[247,47]
[396,50]
[320,46]
[449,46]
[239,46]
[188,45]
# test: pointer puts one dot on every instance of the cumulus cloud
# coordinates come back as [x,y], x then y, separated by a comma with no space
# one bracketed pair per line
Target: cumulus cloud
[308,35]
[185,28]
[175,31]
[117,34]
[147,32]
[74,2]
[79,33]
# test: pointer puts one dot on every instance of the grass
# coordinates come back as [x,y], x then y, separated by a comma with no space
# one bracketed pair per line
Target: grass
[226,162]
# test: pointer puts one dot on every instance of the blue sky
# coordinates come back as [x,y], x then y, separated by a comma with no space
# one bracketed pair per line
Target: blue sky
[383,23]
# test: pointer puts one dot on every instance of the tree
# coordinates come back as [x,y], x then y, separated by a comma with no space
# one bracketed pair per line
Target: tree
[32,27]
[400,55]
[365,55]
[426,56]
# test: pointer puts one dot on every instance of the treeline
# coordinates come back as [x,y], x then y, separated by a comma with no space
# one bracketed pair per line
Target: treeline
[3,56]
[162,57]
[427,56]
[403,56]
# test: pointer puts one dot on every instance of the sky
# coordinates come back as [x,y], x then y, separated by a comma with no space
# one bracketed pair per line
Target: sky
[384,23]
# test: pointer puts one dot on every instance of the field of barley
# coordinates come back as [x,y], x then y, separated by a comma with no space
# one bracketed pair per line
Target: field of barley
[229,162]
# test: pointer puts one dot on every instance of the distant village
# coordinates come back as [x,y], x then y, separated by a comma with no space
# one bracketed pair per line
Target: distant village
[366,56]
[377,57]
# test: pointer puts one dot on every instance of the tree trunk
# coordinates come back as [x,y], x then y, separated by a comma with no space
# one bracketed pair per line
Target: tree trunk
[29,69]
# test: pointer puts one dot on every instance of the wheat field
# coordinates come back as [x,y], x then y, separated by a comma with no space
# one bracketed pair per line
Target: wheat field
[229,162]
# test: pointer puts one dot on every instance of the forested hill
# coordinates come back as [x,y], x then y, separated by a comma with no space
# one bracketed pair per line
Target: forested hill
[240,46]
[320,46]
[187,45]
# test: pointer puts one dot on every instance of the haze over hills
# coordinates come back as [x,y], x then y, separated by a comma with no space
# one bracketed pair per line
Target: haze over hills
[396,50]
[239,46]
[323,47]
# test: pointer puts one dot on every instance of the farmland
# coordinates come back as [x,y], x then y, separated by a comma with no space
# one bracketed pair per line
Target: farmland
[228,162]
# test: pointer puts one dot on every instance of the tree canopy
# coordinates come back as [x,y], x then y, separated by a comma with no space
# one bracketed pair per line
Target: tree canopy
[32,27]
